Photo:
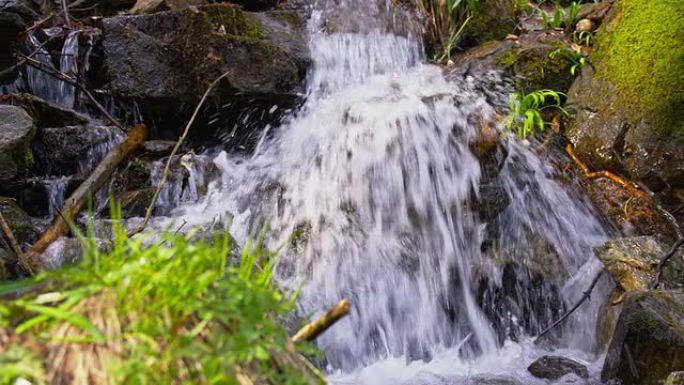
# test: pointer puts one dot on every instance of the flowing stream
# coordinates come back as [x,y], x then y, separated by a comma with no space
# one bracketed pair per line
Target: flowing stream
[376,179]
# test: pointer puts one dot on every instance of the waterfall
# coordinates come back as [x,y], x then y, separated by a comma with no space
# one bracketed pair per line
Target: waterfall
[375,178]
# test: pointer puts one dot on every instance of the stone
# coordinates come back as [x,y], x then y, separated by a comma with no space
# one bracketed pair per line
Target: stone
[585,25]
[632,263]
[493,20]
[149,6]
[26,9]
[493,380]
[555,367]
[175,55]
[627,105]
[158,148]
[47,114]
[16,131]
[134,203]
[11,25]
[20,223]
[648,343]
[257,5]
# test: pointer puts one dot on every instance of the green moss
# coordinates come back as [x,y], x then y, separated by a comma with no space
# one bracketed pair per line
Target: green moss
[233,19]
[507,60]
[536,69]
[640,52]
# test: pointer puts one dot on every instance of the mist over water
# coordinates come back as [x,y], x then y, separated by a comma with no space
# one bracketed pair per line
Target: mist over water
[376,179]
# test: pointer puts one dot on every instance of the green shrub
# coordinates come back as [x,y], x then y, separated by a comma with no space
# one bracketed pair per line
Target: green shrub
[172,312]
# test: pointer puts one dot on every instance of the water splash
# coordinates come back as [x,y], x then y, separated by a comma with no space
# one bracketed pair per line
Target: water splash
[56,189]
[376,180]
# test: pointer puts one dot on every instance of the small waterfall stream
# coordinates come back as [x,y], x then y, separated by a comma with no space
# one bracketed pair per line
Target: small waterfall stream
[376,179]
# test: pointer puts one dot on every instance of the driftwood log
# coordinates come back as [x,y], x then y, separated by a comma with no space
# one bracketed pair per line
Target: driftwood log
[75,203]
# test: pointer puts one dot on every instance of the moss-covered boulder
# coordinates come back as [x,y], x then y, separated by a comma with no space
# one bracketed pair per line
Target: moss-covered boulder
[493,20]
[16,131]
[175,55]
[18,221]
[629,103]
[648,343]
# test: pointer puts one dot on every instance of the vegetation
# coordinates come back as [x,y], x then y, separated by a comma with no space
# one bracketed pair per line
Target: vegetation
[447,18]
[585,38]
[525,115]
[577,59]
[560,17]
[171,312]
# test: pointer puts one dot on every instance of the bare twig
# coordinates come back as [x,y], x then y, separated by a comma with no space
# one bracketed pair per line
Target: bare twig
[664,260]
[629,186]
[10,237]
[585,297]
[65,9]
[179,143]
[321,324]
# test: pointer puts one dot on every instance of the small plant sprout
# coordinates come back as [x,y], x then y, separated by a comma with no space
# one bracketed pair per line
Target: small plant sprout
[560,17]
[525,115]
[584,38]
[576,59]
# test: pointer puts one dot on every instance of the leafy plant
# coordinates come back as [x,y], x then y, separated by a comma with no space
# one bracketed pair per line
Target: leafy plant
[525,111]
[585,38]
[166,312]
[576,59]
[561,17]
[447,18]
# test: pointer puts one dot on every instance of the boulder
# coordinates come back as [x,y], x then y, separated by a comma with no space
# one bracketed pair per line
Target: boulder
[16,131]
[10,27]
[149,6]
[628,104]
[27,9]
[648,343]
[134,203]
[493,20]
[18,221]
[257,5]
[555,367]
[175,55]
[46,114]
[675,378]
[632,263]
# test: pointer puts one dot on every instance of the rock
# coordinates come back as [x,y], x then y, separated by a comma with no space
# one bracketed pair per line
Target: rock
[16,131]
[585,25]
[174,55]
[257,5]
[10,27]
[632,263]
[62,251]
[72,149]
[555,367]
[595,12]
[648,343]
[27,9]
[493,20]
[535,68]
[18,221]
[675,378]
[158,148]
[149,6]
[493,380]
[134,203]
[46,114]
[627,104]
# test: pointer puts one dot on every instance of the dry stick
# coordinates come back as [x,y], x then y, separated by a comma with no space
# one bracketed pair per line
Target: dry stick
[10,236]
[664,260]
[585,297]
[321,324]
[65,9]
[67,79]
[179,143]
[75,203]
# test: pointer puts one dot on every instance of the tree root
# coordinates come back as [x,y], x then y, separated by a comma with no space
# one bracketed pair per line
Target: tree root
[629,186]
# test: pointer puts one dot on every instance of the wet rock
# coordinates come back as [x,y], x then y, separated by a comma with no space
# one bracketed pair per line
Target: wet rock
[628,103]
[62,251]
[632,263]
[46,114]
[675,378]
[595,12]
[149,6]
[72,149]
[535,68]
[158,148]
[555,367]
[16,131]
[493,20]
[134,203]
[18,221]
[10,27]
[257,5]
[175,55]
[493,380]
[648,343]
[27,9]
[585,25]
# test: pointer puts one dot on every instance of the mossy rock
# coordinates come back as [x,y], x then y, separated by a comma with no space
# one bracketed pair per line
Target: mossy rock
[16,131]
[629,102]
[648,343]
[493,20]
[536,68]
[18,221]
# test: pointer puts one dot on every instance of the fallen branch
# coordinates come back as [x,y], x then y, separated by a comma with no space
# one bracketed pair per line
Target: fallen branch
[75,203]
[631,187]
[664,260]
[323,323]
[179,143]
[65,9]
[567,314]
[10,237]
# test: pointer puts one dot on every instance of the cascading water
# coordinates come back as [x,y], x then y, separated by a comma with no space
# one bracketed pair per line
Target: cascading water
[376,179]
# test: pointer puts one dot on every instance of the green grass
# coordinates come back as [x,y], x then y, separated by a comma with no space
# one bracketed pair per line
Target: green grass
[173,312]
[525,111]
[447,19]
[576,59]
